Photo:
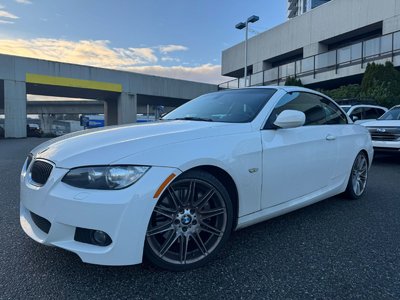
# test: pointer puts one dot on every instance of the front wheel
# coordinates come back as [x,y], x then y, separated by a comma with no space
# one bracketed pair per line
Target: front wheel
[358,177]
[190,223]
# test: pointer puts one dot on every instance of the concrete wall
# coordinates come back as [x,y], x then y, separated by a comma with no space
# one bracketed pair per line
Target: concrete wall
[306,31]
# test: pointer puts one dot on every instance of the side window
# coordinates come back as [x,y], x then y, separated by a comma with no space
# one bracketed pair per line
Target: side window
[358,112]
[333,115]
[379,112]
[371,113]
[318,110]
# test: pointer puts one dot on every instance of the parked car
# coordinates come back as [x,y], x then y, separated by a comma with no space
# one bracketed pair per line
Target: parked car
[363,112]
[174,190]
[33,130]
[385,131]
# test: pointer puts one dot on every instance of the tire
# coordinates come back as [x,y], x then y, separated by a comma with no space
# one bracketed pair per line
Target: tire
[358,177]
[190,223]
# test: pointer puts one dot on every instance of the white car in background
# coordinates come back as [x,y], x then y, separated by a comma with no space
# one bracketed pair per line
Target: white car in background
[385,131]
[361,113]
[174,190]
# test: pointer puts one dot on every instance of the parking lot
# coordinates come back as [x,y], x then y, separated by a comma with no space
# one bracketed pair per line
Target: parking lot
[335,249]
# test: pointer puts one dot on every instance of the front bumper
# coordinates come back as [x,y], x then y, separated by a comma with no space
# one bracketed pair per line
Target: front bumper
[386,145]
[122,214]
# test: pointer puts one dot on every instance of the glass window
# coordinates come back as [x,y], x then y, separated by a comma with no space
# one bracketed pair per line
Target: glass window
[307,65]
[372,47]
[396,38]
[270,75]
[233,106]
[233,84]
[256,79]
[344,55]
[286,70]
[386,43]
[242,83]
[379,112]
[356,51]
[392,114]
[325,60]
[318,110]
[371,113]
[358,112]
[333,114]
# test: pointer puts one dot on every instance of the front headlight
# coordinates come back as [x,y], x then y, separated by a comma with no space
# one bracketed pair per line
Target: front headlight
[104,177]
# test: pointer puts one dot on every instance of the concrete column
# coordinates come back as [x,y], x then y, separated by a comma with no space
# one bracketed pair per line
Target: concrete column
[14,109]
[314,49]
[46,120]
[127,108]
[110,112]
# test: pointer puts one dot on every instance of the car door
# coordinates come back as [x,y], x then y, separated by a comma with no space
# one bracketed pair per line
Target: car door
[298,161]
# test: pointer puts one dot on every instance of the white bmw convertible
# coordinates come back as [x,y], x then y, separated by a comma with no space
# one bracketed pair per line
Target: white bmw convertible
[174,190]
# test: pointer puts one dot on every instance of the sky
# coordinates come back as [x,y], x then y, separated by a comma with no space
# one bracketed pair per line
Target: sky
[176,38]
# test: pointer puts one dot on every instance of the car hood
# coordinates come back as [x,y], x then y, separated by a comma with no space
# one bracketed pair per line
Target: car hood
[107,145]
[382,123]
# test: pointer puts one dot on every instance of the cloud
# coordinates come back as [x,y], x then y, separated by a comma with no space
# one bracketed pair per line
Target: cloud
[6,22]
[168,58]
[6,14]
[23,1]
[99,53]
[172,48]
[203,73]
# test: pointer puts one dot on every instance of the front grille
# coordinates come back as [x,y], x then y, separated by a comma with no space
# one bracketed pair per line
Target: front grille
[41,222]
[385,137]
[384,133]
[40,172]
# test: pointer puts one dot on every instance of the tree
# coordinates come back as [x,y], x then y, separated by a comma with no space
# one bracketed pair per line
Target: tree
[381,83]
[293,81]
[351,91]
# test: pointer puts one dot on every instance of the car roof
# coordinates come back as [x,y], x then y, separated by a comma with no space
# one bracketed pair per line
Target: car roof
[288,89]
[364,105]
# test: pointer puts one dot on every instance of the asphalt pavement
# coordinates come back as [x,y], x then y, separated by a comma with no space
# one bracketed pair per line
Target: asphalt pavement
[335,249]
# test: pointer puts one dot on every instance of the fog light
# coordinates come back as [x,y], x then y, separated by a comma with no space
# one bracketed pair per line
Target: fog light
[92,236]
[100,237]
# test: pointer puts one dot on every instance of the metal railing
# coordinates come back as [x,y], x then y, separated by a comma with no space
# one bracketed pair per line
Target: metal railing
[361,53]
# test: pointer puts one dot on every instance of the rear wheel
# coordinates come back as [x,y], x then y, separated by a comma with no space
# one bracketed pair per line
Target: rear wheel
[358,177]
[190,223]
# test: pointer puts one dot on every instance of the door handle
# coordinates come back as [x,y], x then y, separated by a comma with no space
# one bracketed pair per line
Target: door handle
[330,137]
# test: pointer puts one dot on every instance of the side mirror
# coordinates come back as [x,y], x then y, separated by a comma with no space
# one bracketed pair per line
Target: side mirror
[354,118]
[290,119]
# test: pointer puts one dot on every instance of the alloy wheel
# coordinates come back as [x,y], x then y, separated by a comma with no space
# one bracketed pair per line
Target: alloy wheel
[359,174]
[188,222]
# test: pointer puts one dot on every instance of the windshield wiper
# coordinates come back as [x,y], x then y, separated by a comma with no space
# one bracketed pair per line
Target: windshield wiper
[194,119]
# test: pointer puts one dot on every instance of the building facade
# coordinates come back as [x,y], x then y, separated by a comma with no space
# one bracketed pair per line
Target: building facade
[299,7]
[327,47]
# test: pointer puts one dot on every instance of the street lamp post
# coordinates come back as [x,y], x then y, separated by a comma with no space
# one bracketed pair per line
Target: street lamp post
[240,26]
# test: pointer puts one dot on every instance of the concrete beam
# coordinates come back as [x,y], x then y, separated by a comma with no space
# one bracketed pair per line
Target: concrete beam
[314,49]
[14,109]
[391,25]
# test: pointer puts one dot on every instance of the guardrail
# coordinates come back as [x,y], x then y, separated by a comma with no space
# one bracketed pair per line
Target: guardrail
[361,53]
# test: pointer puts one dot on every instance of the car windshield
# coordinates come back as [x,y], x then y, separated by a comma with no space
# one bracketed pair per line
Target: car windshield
[392,114]
[233,106]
